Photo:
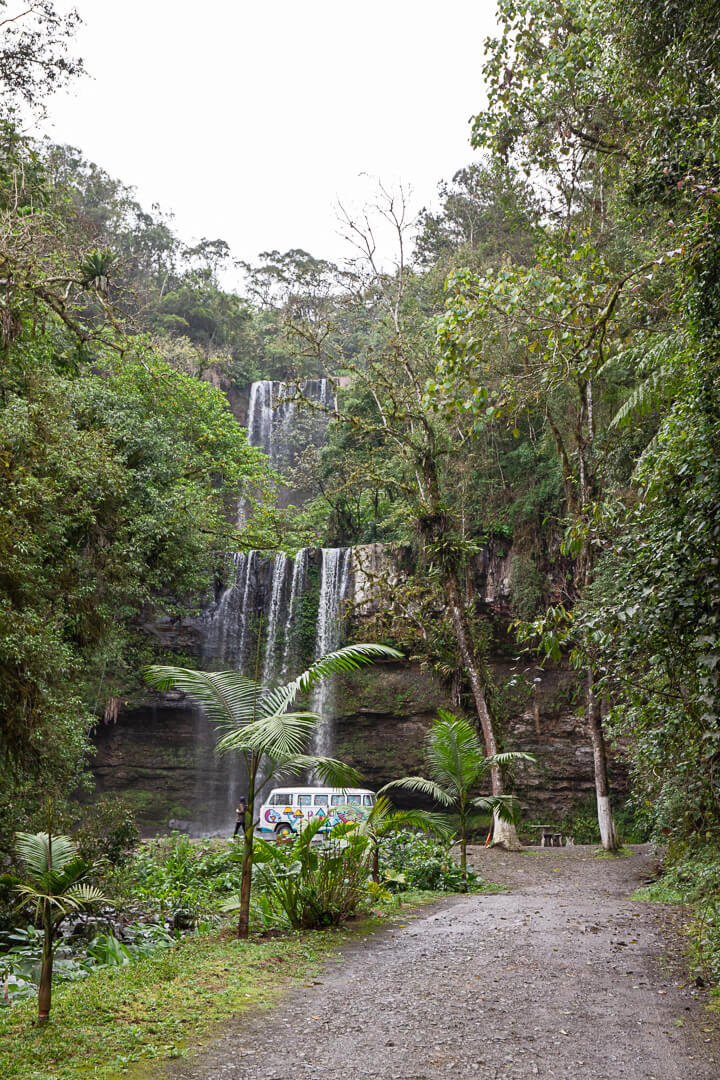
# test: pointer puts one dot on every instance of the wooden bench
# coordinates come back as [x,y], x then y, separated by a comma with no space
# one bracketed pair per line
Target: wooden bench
[548,836]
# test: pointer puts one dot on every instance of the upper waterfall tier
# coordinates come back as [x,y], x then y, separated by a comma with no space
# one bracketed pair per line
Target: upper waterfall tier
[279,424]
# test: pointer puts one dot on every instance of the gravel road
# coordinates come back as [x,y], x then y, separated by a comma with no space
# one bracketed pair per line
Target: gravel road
[562,977]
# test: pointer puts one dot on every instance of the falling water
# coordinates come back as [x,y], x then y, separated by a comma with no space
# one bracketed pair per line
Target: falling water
[223,620]
[260,416]
[219,781]
[335,577]
[280,567]
[299,579]
[272,412]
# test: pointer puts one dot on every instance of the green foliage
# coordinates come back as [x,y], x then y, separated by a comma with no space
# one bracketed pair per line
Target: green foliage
[315,884]
[527,587]
[457,766]
[409,861]
[258,725]
[73,960]
[692,877]
[108,832]
[113,500]
[177,878]
[142,1012]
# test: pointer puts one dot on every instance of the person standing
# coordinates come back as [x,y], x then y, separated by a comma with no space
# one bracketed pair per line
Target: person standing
[240,810]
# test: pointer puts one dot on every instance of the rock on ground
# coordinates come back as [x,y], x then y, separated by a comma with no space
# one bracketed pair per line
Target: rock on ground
[564,977]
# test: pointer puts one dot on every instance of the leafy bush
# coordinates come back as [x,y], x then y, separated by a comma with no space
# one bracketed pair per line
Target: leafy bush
[315,885]
[692,877]
[108,832]
[409,861]
[179,879]
[20,964]
[583,826]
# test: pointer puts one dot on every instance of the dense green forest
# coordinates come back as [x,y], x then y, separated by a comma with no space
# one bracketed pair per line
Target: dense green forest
[538,366]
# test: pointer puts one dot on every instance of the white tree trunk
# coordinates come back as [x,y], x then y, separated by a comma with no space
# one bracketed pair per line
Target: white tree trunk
[608,833]
[505,834]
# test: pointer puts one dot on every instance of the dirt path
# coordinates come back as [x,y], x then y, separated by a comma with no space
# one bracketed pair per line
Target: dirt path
[563,977]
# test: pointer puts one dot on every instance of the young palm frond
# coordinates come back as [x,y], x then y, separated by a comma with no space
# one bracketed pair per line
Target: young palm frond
[453,753]
[423,787]
[55,890]
[330,771]
[349,658]
[43,853]
[504,806]
[280,735]
[228,698]
[385,818]
[510,757]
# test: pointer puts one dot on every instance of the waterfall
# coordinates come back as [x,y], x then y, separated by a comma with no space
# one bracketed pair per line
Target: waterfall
[224,620]
[272,417]
[297,586]
[258,625]
[219,781]
[280,566]
[260,416]
[334,581]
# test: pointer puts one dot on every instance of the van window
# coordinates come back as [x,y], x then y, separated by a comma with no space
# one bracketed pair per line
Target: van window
[353,800]
[304,800]
[321,800]
[338,800]
[281,799]
[367,800]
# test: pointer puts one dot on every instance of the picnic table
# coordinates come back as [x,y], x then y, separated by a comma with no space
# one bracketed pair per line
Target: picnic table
[549,837]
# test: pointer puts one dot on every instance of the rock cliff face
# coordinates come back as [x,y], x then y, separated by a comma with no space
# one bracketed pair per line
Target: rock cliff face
[386,714]
[161,755]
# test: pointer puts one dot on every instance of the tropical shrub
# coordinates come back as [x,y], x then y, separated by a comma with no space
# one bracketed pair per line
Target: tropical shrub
[52,889]
[21,964]
[108,832]
[315,883]
[177,879]
[410,861]
[271,739]
[457,766]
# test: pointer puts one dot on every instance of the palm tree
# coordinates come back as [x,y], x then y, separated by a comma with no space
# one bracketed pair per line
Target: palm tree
[54,888]
[384,819]
[259,726]
[456,764]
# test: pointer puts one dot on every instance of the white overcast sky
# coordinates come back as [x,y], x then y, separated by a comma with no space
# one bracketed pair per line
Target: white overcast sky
[250,122]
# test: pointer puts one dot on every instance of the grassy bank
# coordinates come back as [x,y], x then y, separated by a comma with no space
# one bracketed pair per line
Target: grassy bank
[159,1007]
[692,877]
[156,1007]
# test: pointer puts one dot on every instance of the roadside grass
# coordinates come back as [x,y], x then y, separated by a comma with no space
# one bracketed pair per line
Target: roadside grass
[623,852]
[659,892]
[157,1008]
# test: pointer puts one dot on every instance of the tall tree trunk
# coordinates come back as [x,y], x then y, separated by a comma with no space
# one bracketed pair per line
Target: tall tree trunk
[45,987]
[463,847]
[608,833]
[246,880]
[247,859]
[504,832]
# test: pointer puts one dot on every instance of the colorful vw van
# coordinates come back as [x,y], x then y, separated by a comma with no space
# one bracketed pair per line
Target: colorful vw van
[287,808]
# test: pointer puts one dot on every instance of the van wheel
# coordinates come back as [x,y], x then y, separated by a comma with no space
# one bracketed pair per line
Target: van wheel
[283,832]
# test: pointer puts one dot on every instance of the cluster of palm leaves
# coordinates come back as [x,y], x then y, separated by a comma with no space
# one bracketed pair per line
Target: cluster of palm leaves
[53,889]
[456,764]
[261,725]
